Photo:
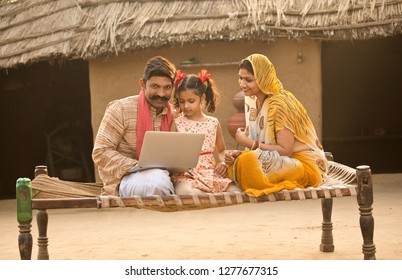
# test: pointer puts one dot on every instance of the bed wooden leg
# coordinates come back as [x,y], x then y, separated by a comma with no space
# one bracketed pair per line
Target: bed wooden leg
[42,220]
[24,217]
[327,239]
[25,241]
[365,201]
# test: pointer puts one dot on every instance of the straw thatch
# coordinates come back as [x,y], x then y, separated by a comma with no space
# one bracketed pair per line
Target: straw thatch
[32,30]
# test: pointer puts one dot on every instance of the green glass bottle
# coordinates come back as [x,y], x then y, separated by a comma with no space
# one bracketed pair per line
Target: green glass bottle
[24,201]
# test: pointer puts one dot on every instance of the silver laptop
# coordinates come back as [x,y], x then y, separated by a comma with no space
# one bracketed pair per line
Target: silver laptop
[174,151]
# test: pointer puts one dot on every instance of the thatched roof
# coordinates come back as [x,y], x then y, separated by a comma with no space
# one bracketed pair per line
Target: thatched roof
[33,30]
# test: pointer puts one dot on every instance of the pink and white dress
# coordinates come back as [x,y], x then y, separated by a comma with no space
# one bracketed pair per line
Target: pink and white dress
[203,176]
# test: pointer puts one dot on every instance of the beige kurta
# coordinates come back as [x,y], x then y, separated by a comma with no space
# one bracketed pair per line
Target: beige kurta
[114,151]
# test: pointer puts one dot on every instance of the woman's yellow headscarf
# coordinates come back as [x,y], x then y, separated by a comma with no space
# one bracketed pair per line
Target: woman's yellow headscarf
[265,74]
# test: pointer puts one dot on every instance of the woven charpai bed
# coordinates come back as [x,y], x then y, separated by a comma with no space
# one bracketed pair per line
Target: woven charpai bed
[46,192]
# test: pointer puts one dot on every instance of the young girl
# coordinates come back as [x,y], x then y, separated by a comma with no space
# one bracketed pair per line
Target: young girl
[193,94]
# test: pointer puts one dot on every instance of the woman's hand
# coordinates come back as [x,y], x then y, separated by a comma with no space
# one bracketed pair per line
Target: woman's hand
[231,155]
[241,136]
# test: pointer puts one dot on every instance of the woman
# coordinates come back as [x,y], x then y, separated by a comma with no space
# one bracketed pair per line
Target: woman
[282,150]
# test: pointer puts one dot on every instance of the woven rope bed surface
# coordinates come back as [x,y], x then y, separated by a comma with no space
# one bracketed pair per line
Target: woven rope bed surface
[341,182]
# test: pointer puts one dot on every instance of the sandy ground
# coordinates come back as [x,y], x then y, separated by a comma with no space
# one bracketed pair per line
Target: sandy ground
[267,231]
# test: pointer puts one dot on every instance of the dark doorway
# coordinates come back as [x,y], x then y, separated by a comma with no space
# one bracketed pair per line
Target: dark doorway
[362,101]
[45,120]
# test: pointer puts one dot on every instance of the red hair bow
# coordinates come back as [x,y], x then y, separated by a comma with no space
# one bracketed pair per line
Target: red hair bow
[204,75]
[179,76]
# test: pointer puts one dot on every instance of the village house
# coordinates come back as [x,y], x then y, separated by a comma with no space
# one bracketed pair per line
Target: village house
[63,61]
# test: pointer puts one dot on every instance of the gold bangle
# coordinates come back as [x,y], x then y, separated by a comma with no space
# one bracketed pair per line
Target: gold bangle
[252,146]
[256,143]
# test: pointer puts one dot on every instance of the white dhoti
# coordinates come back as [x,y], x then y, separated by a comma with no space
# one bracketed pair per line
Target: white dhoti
[145,183]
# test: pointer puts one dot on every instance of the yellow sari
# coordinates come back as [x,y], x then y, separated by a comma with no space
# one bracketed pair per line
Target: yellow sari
[261,172]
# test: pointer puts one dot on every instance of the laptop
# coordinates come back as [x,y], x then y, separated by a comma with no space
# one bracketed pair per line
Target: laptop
[173,151]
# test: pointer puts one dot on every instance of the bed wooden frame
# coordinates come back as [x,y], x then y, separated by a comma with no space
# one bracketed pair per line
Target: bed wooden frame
[344,181]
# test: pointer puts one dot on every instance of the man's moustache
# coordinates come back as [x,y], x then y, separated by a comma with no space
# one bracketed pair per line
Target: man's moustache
[155,97]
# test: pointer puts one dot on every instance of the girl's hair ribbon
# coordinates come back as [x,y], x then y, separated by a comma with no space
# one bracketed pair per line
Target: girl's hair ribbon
[179,77]
[204,75]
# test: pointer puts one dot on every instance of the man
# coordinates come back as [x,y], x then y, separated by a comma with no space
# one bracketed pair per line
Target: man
[118,143]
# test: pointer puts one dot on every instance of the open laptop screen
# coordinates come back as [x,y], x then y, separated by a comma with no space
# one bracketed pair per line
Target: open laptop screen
[174,151]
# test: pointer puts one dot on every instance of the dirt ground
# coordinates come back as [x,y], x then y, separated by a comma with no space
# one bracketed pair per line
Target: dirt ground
[267,231]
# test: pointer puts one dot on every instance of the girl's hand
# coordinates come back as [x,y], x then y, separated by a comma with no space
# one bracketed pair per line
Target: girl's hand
[231,155]
[221,169]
